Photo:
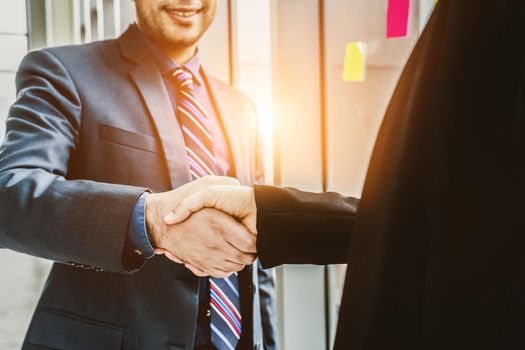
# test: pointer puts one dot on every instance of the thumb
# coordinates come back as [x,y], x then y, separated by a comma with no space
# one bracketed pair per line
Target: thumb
[189,205]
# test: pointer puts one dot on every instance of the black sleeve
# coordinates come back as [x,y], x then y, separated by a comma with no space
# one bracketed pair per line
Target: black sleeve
[296,227]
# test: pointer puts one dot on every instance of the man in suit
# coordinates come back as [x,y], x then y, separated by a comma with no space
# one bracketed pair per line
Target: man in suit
[97,139]
[435,251]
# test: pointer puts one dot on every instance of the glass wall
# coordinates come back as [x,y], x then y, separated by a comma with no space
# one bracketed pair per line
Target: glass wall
[325,126]
[354,109]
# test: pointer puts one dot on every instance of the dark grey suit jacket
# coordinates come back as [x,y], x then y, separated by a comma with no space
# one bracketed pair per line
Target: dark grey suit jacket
[91,129]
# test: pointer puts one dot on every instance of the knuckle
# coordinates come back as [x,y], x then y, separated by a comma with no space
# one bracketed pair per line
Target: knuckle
[198,271]
[246,244]
[213,191]
[182,204]
[212,219]
[245,258]
[212,244]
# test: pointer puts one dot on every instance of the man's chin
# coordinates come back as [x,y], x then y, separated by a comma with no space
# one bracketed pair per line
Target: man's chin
[180,42]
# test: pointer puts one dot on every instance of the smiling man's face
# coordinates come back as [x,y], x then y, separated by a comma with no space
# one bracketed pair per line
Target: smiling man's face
[176,24]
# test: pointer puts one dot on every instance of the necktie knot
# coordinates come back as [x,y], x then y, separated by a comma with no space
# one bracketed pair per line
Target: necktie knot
[183,78]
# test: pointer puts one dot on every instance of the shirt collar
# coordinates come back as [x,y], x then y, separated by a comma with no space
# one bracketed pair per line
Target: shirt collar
[164,63]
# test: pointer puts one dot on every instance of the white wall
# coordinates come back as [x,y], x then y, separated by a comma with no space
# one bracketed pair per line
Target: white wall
[7,94]
[213,46]
[13,47]
[21,276]
[13,44]
[13,17]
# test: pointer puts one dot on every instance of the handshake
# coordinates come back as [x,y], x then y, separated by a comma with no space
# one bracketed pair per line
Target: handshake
[209,225]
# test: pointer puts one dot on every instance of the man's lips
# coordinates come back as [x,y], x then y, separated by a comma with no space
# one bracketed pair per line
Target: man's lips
[182,13]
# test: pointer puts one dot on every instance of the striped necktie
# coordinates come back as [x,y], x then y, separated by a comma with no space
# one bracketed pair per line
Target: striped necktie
[225,322]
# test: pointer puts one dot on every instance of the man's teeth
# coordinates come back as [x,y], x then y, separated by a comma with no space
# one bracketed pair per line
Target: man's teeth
[183,13]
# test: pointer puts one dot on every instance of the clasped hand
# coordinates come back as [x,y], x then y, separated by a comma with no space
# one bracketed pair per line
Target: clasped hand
[209,225]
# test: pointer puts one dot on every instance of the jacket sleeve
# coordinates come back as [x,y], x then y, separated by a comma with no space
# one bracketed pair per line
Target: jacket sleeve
[42,213]
[296,227]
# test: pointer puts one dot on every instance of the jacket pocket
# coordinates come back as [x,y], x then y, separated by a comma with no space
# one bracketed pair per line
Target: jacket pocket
[127,138]
[60,330]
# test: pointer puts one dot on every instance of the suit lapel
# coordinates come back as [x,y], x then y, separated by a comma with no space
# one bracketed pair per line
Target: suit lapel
[153,90]
[237,130]
[151,86]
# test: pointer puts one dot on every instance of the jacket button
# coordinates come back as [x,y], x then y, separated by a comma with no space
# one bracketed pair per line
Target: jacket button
[208,313]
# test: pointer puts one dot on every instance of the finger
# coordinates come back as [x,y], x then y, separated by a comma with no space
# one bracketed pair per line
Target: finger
[206,181]
[237,201]
[160,251]
[230,266]
[173,258]
[196,271]
[219,180]
[241,238]
[219,273]
[250,222]
[248,259]
[237,236]
[240,258]
[234,255]
[180,213]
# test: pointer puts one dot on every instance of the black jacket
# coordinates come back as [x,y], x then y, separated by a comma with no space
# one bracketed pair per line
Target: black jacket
[436,252]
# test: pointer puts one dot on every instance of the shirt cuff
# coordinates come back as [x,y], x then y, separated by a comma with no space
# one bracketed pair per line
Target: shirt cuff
[137,231]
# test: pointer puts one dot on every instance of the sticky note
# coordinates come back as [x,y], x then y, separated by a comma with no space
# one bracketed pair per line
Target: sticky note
[354,65]
[397,18]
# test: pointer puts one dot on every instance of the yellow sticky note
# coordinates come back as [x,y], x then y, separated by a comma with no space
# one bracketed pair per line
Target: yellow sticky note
[354,65]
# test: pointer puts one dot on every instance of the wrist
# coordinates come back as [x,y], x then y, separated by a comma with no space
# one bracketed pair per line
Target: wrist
[153,218]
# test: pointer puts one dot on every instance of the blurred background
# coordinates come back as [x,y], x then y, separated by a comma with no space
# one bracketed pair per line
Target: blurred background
[288,56]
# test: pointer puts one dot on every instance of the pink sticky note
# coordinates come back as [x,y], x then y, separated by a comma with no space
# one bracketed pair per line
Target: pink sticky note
[397,18]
